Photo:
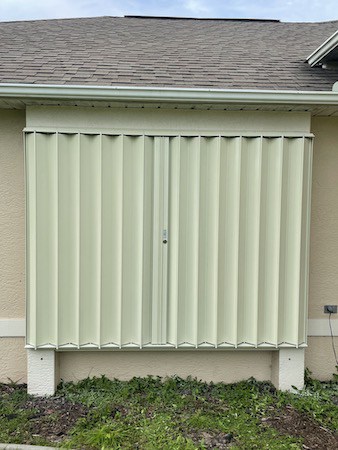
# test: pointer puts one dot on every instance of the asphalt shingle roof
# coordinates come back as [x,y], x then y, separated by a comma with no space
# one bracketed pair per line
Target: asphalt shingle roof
[234,54]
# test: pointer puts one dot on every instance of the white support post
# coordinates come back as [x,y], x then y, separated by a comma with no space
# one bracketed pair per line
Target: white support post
[41,365]
[288,368]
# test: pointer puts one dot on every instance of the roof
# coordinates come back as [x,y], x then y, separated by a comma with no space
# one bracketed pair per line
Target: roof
[157,52]
[327,52]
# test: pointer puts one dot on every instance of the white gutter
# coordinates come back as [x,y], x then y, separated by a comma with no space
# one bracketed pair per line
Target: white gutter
[26,92]
[323,50]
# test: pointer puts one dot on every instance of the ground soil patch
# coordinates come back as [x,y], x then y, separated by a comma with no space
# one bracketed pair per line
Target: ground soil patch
[294,423]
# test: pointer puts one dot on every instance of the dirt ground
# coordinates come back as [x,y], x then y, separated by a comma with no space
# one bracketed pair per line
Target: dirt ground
[293,423]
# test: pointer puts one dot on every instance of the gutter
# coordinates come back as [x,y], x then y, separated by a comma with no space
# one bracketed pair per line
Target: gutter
[323,50]
[26,92]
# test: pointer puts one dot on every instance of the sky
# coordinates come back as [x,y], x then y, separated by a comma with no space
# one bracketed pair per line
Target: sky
[285,10]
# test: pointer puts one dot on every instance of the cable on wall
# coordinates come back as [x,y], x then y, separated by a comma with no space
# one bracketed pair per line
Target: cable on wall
[332,340]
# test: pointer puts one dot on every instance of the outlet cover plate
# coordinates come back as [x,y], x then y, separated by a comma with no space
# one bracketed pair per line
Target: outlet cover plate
[330,309]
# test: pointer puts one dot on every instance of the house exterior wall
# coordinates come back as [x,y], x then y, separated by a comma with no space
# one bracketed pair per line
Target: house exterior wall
[229,366]
[323,283]
[319,357]
[225,365]
[12,242]
[13,360]
[12,215]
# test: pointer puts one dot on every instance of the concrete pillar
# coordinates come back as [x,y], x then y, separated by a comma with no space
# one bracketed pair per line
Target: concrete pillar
[41,376]
[288,368]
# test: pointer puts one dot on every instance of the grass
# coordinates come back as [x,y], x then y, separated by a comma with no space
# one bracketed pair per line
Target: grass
[15,420]
[174,414]
[152,413]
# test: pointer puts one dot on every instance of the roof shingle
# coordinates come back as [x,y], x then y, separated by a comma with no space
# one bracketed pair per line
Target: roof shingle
[227,54]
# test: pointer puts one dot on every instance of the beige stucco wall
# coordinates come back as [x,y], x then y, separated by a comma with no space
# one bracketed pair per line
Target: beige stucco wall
[227,366]
[12,242]
[319,357]
[323,288]
[324,217]
[13,360]
[12,215]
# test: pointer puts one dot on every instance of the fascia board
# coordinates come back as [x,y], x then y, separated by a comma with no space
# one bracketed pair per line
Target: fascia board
[323,50]
[25,92]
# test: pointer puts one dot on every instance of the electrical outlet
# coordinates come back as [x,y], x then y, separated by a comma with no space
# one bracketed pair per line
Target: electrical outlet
[330,309]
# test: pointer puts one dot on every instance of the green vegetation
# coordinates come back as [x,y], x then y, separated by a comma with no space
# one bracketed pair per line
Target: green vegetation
[318,400]
[15,417]
[173,414]
[153,413]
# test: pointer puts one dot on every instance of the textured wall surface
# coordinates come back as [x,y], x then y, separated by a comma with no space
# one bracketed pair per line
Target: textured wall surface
[13,360]
[228,366]
[12,242]
[323,287]
[319,357]
[12,215]
[324,217]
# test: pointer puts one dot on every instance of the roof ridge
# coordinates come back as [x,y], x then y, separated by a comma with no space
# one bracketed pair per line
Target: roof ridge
[127,16]
[200,18]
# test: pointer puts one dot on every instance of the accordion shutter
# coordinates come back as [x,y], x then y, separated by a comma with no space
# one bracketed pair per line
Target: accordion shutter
[235,213]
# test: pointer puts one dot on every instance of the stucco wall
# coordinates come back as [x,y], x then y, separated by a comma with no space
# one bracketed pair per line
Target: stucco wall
[319,357]
[13,360]
[323,289]
[227,366]
[12,215]
[12,242]
[324,217]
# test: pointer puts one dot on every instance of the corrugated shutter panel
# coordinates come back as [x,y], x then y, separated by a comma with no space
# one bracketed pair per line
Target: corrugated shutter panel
[235,213]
